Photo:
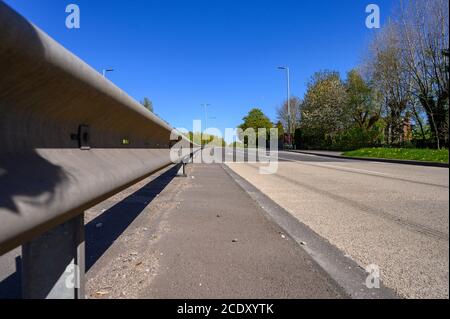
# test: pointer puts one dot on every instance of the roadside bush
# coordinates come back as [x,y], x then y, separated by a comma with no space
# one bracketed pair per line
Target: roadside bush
[350,139]
[358,137]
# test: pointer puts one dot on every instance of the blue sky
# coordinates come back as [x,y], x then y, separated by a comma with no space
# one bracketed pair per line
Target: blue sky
[223,52]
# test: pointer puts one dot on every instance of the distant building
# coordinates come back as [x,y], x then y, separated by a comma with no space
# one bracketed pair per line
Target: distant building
[407,131]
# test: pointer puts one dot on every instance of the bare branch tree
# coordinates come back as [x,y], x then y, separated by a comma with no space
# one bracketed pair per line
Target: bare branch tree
[390,79]
[424,33]
[282,114]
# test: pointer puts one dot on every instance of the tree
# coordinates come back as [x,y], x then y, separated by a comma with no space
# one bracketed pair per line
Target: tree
[410,68]
[279,126]
[323,112]
[361,101]
[390,79]
[424,33]
[205,139]
[283,116]
[148,104]
[255,120]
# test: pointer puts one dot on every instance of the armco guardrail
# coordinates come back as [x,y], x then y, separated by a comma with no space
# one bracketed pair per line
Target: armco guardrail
[68,137]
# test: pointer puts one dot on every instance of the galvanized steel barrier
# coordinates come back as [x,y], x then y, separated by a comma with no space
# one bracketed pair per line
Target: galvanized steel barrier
[69,139]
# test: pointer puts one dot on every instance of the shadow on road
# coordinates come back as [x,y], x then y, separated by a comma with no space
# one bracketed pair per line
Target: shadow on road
[117,219]
[11,287]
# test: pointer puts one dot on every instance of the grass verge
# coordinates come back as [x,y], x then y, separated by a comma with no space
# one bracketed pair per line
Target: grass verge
[424,155]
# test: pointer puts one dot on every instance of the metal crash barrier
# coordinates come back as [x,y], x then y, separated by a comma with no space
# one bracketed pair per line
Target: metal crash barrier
[69,139]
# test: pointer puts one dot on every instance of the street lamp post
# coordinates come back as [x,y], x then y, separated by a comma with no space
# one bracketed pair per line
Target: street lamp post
[205,105]
[288,80]
[105,71]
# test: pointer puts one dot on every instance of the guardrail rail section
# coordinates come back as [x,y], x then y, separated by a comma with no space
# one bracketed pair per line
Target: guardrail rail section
[69,139]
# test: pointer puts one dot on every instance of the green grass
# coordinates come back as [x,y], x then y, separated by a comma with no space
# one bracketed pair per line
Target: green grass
[425,155]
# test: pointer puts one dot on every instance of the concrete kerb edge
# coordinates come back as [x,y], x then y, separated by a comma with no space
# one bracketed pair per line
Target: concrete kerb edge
[344,271]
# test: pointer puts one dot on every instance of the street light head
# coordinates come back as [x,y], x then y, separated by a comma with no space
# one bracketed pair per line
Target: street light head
[104,71]
[282,68]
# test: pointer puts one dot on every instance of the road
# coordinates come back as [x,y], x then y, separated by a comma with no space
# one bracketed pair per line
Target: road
[207,236]
[394,216]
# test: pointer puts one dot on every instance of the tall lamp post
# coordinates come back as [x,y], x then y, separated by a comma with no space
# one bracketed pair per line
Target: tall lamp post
[206,105]
[288,80]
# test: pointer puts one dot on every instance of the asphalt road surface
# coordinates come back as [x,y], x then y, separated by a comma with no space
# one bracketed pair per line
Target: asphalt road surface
[394,216]
[201,237]
[206,236]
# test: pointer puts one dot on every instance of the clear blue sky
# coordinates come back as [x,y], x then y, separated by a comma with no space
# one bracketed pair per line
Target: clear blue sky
[223,52]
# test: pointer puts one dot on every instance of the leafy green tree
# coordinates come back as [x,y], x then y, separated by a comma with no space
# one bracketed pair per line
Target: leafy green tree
[361,101]
[255,120]
[148,104]
[213,140]
[324,113]
[204,139]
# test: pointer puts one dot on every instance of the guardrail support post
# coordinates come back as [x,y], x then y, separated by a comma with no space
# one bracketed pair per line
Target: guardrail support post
[182,171]
[53,264]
